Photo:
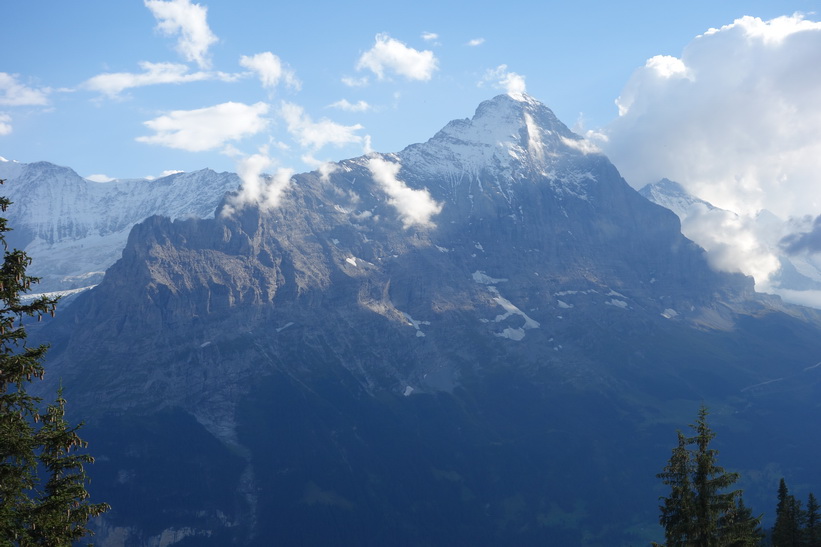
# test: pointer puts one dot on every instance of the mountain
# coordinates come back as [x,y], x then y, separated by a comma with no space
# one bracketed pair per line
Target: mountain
[673,196]
[798,275]
[487,338]
[75,228]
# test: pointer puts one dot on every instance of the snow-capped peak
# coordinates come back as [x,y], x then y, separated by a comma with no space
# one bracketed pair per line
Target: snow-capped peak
[506,133]
[675,197]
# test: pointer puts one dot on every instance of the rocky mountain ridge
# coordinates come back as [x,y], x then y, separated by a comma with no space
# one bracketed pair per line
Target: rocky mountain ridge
[473,340]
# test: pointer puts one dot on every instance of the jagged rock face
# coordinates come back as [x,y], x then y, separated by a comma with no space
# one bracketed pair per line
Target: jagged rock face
[530,225]
[463,293]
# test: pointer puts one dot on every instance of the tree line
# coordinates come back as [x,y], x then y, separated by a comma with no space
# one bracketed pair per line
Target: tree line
[701,509]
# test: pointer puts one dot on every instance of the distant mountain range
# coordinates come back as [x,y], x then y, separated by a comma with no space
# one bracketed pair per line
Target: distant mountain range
[485,339]
[75,228]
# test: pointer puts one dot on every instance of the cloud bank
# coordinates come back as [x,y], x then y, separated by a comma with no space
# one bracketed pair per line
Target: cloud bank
[189,21]
[207,128]
[389,54]
[736,121]
[415,207]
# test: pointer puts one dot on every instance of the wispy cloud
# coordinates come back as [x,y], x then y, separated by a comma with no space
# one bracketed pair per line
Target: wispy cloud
[114,83]
[257,188]
[429,36]
[355,82]
[415,207]
[270,69]
[344,104]
[5,124]
[476,42]
[189,21]
[169,172]
[13,93]
[99,178]
[808,241]
[389,54]
[207,128]
[326,169]
[734,243]
[501,78]
[316,135]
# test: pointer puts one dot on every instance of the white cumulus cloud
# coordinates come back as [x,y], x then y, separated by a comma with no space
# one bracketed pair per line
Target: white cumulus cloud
[207,128]
[316,135]
[13,93]
[429,36]
[389,54]
[415,207]
[189,21]
[476,42]
[501,78]
[270,69]
[735,120]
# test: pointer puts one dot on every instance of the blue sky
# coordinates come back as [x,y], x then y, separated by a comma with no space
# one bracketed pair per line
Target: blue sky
[574,56]
[723,97]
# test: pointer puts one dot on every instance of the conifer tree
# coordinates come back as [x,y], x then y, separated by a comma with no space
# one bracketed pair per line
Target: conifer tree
[677,509]
[699,511]
[789,519]
[709,482]
[812,530]
[43,499]
[741,529]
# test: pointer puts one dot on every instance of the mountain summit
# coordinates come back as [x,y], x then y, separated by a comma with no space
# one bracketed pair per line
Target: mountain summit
[471,341]
[509,135]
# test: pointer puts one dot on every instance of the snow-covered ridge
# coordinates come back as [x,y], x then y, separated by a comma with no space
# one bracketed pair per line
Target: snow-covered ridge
[56,204]
[75,228]
[672,195]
